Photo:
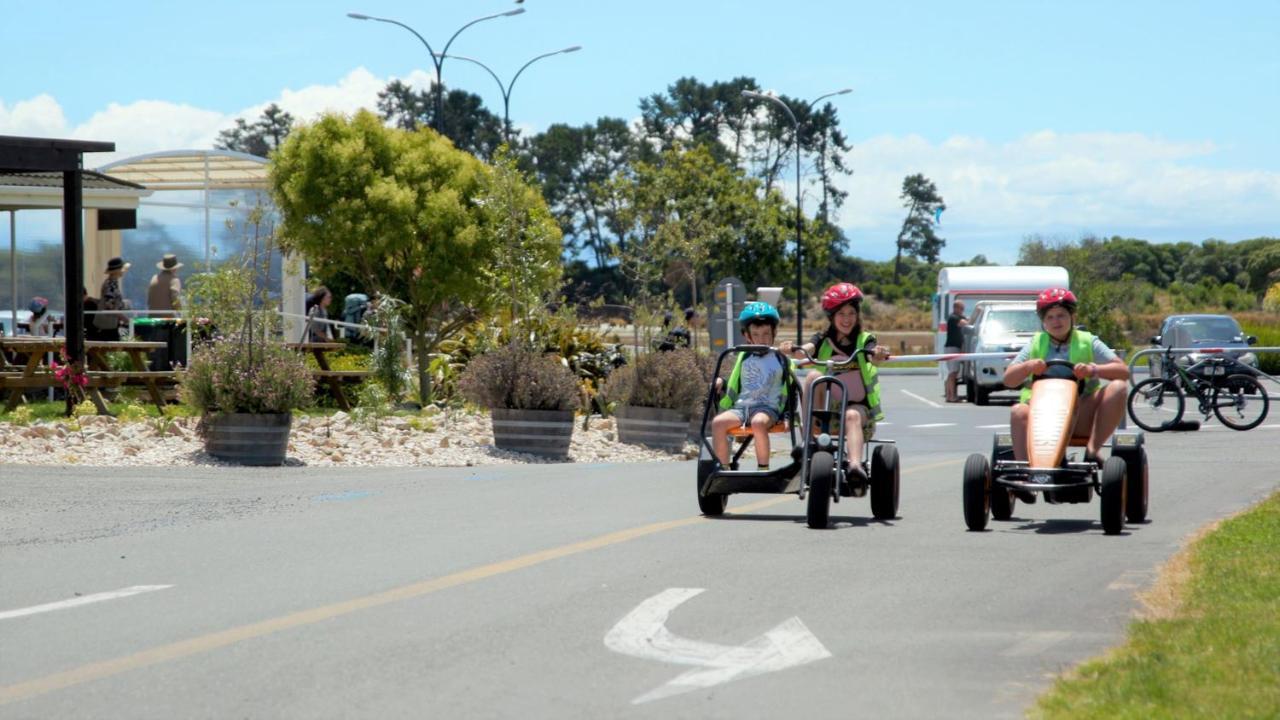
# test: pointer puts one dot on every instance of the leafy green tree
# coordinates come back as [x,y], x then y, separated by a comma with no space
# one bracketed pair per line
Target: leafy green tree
[259,138]
[703,219]
[527,263]
[575,167]
[463,116]
[917,237]
[403,211]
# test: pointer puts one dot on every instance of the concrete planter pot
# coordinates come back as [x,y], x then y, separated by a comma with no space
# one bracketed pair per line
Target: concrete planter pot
[248,438]
[655,427]
[541,432]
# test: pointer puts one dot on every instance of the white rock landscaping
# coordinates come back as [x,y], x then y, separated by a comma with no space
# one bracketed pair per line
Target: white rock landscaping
[450,438]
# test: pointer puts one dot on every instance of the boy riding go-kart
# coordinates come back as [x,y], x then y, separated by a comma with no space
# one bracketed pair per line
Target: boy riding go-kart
[1062,405]
[761,397]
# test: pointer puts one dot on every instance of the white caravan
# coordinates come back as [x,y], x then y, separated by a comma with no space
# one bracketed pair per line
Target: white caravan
[991,282]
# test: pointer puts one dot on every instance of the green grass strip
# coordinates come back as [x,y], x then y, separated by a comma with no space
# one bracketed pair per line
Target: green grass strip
[1219,657]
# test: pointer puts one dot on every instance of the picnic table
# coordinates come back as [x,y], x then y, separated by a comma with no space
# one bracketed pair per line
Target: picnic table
[334,378]
[35,350]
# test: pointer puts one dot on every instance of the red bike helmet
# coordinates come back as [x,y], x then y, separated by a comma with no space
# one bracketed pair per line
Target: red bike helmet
[1055,296]
[840,294]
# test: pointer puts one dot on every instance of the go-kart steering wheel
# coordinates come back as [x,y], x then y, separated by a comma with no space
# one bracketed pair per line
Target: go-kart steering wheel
[1056,364]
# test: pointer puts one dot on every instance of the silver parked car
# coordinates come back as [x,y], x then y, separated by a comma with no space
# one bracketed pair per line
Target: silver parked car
[1202,331]
[997,326]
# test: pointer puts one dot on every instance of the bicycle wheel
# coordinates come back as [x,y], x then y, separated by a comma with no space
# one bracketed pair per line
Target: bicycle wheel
[1241,403]
[1156,404]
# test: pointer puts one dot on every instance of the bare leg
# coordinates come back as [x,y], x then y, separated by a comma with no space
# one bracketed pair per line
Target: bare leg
[853,436]
[1107,418]
[951,387]
[1018,419]
[760,424]
[720,427]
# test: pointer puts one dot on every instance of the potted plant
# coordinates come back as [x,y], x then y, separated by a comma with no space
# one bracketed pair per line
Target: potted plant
[244,383]
[655,396]
[530,396]
[246,393]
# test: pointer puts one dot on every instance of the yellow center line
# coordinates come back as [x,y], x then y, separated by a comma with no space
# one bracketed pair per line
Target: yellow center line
[213,641]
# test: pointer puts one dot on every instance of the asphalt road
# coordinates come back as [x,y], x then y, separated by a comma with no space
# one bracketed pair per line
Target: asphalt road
[555,591]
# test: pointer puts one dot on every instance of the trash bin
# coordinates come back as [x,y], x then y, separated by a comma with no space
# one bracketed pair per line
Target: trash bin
[169,331]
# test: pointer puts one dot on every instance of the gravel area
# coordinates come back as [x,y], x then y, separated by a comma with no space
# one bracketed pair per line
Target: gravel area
[449,438]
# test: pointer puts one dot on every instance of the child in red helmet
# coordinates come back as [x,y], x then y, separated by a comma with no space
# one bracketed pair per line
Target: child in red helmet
[1100,409]
[842,303]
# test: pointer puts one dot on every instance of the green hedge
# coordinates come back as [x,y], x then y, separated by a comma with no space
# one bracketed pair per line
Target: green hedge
[1268,336]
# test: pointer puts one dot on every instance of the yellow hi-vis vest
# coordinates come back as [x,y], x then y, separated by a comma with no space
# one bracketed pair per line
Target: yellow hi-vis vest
[734,386]
[865,368]
[1080,351]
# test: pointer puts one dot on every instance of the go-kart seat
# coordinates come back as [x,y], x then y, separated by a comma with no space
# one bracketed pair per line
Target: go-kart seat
[744,432]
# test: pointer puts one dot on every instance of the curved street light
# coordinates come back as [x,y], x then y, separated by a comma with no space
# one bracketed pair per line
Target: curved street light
[506,89]
[799,213]
[436,59]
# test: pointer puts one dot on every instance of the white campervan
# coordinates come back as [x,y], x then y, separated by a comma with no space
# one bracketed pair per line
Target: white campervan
[991,282]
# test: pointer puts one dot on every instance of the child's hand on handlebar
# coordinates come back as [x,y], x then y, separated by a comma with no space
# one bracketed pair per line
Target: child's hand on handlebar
[880,353]
[1085,370]
[1035,366]
[786,347]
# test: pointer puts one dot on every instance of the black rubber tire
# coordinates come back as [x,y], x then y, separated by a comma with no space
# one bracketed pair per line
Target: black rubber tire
[1114,472]
[822,476]
[977,492]
[714,504]
[969,390]
[1002,502]
[884,482]
[1137,487]
[1172,395]
[1251,387]
[981,396]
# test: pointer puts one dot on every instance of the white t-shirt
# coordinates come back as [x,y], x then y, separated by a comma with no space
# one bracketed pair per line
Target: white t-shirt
[760,381]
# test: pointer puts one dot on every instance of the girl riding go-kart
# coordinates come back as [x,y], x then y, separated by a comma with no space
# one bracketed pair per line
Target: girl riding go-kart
[1062,404]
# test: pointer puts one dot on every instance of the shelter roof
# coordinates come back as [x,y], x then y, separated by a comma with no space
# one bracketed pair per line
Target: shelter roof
[192,170]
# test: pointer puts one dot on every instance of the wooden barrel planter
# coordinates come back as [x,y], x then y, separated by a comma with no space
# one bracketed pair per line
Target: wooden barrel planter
[248,438]
[655,427]
[541,432]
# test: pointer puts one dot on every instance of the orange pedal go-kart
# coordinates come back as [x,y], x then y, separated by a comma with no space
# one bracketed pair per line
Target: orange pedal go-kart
[1121,482]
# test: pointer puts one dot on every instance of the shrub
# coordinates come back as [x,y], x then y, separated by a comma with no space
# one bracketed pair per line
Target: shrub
[671,380]
[1268,336]
[234,376]
[519,379]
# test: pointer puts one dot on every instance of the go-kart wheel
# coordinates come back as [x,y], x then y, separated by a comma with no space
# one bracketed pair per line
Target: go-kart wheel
[981,397]
[884,482]
[977,492]
[969,393]
[1002,502]
[1114,473]
[1136,486]
[822,476]
[712,504]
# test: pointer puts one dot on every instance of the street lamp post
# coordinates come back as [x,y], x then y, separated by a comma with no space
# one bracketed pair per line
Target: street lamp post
[799,213]
[437,59]
[506,89]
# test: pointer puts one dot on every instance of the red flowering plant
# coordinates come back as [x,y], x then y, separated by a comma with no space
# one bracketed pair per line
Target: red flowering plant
[72,376]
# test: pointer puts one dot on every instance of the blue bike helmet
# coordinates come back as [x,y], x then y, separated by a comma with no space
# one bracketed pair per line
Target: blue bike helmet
[757,312]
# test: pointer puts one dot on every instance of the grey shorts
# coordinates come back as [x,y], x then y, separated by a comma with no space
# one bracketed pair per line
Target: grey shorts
[745,414]
[952,365]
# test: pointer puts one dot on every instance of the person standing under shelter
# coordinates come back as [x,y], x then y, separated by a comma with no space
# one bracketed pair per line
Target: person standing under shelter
[111,297]
[956,321]
[165,287]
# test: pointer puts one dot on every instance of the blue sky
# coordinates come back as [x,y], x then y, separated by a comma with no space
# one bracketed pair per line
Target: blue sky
[1155,120]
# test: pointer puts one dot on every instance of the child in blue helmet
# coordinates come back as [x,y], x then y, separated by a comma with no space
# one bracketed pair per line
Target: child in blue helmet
[756,392]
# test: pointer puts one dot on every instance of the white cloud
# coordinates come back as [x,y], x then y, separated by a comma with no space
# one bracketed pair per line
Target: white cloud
[155,125]
[1046,182]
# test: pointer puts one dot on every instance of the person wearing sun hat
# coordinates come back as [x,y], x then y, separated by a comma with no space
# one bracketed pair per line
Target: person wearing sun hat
[111,297]
[41,323]
[162,293]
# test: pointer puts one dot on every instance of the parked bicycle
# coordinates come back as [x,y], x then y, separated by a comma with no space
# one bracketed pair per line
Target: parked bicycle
[1220,385]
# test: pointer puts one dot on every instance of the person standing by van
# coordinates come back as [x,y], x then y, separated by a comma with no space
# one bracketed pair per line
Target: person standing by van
[956,322]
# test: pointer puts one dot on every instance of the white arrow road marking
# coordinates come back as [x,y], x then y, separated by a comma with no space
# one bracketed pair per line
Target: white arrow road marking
[923,400]
[84,600]
[643,633]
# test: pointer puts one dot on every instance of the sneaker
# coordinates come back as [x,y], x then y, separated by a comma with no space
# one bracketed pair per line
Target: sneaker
[1096,460]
